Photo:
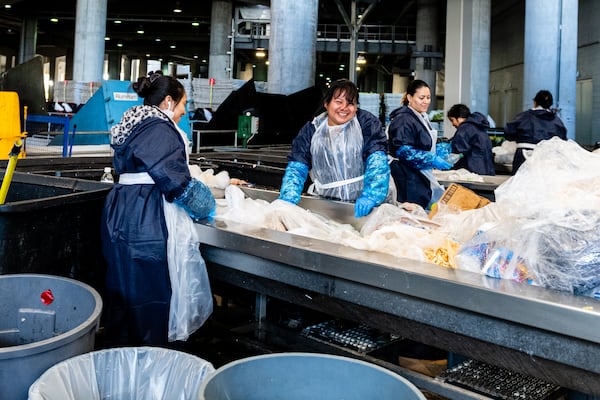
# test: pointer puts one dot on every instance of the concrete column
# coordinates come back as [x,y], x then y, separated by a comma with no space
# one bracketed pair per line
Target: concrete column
[220,41]
[427,42]
[292,46]
[126,67]
[114,66]
[550,59]
[565,98]
[468,24]
[90,30]
[143,70]
[28,41]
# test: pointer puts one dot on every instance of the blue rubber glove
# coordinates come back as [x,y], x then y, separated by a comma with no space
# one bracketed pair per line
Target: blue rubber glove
[440,163]
[197,200]
[293,182]
[363,206]
[377,177]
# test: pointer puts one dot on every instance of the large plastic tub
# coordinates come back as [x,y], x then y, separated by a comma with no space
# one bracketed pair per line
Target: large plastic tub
[300,376]
[51,225]
[124,373]
[38,331]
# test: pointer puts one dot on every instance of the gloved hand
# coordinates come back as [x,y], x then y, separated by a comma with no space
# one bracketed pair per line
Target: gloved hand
[197,200]
[363,206]
[440,163]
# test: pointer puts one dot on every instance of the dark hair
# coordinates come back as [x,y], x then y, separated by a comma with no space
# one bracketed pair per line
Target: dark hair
[543,98]
[412,89]
[155,87]
[458,111]
[344,87]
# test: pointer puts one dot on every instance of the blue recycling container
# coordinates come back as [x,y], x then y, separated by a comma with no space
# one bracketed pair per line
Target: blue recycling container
[44,319]
[300,376]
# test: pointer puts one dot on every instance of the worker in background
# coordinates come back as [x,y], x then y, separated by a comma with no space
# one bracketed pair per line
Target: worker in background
[344,149]
[412,143]
[532,126]
[150,157]
[471,140]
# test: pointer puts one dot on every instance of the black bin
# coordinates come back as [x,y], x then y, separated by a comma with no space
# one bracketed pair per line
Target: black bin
[51,225]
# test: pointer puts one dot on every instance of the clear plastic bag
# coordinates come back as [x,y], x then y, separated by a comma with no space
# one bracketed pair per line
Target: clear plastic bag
[124,373]
[191,299]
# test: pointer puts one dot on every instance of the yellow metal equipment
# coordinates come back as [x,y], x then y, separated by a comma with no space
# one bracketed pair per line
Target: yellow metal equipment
[10,124]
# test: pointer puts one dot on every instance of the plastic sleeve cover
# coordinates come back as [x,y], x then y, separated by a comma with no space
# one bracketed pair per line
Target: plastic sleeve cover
[377,177]
[293,181]
[443,149]
[419,159]
[197,200]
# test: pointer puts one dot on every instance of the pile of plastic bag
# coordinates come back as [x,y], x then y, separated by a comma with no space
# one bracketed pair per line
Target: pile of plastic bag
[543,228]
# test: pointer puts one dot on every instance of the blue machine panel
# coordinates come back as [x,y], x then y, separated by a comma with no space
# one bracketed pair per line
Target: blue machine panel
[106,107]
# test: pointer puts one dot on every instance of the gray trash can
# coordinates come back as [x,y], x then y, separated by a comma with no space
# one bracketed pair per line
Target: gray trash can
[149,373]
[300,376]
[43,320]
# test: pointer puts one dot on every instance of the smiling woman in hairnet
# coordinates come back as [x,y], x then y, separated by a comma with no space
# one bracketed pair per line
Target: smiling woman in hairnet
[344,148]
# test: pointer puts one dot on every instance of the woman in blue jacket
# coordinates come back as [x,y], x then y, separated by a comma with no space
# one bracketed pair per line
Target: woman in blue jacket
[412,143]
[471,140]
[532,126]
[344,149]
[151,160]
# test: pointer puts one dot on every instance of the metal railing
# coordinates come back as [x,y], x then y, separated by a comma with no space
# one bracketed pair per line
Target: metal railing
[339,32]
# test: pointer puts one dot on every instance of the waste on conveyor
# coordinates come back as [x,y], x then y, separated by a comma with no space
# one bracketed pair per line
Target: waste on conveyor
[543,229]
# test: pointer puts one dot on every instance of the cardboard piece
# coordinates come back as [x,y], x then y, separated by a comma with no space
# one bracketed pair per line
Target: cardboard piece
[460,198]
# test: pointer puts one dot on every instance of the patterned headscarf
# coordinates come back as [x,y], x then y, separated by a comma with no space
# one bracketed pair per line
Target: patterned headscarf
[133,116]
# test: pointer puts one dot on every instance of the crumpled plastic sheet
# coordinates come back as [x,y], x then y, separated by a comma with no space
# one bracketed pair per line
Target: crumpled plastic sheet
[505,153]
[547,230]
[388,229]
[461,174]
[133,373]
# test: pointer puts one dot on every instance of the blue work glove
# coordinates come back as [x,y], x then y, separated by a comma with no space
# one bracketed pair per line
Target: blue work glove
[363,206]
[293,182]
[197,200]
[440,163]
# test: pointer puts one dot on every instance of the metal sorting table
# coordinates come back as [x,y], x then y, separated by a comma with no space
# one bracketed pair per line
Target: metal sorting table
[543,333]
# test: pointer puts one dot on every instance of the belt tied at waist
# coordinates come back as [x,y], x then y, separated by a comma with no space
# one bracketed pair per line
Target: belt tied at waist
[136,178]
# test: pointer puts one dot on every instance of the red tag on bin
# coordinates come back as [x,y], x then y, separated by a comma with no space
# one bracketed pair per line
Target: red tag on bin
[47,297]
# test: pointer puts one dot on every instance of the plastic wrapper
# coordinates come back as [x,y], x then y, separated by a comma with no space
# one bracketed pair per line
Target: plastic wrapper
[124,373]
[549,232]
[505,153]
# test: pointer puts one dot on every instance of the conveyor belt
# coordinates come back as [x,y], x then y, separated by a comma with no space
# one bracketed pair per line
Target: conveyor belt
[543,333]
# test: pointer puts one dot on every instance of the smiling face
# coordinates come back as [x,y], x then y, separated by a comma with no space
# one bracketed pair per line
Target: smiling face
[420,100]
[339,110]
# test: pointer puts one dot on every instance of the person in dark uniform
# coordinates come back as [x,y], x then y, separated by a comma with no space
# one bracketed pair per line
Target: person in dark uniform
[412,142]
[471,140]
[344,148]
[532,126]
[150,157]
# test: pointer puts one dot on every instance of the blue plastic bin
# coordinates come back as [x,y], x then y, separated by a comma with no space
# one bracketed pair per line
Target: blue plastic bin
[300,376]
[33,335]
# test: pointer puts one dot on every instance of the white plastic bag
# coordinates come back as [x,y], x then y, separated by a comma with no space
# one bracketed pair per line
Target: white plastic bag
[191,298]
[150,373]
